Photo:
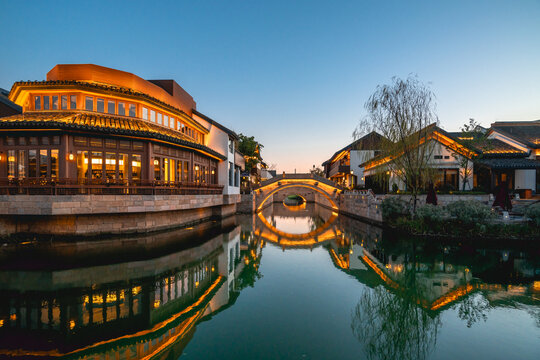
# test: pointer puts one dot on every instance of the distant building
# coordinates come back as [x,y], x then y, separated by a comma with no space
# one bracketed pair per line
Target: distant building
[345,166]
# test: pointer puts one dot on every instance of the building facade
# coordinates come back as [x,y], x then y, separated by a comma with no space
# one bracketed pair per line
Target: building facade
[92,129]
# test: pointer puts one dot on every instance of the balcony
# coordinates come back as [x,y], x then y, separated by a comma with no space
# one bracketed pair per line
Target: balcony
[339,170]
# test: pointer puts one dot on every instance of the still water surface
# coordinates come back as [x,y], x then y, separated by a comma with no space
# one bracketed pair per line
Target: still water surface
[292,283]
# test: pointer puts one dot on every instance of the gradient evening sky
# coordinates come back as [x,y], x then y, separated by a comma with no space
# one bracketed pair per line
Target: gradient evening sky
[295,74]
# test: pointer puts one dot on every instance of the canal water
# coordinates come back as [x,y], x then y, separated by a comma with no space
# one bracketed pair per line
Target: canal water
[294,282]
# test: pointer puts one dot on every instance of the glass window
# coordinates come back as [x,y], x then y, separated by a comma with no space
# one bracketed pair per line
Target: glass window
[97,165]
[157,169]
[82,166]
[165,169]
[63,102]
[152,116]
[96,142]
[110,166]
[43,163]
[89,103]
[136,167]
[55,102]
[125,144]
[100,105]
[73,102]
[179,170]
[22,140]
[121,109]
[159,119]
[137,145]
[186,171]
[54,163]
[133,111]
[166,120]
[173,123]
[32,163]
[22,163]
[144,113]
[80,141]
[45,103]
[111,107]
[37,102]
[110,143]
[11,164]
[33,140]
[56,140]
[45,140]
[122,167]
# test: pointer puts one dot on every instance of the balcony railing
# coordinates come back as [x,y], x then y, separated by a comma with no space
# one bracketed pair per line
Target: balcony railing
[47,186]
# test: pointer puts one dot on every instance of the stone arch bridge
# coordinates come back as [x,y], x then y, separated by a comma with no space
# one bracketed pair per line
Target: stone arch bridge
[295,182]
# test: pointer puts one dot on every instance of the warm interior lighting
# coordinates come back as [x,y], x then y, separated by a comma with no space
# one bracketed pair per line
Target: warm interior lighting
[71,157]
[156,162]
[97,161]
[136,290]
[135,164]
[71,324]
[11,158]
[196,167]
[213,172]
[196,283]
[156,304]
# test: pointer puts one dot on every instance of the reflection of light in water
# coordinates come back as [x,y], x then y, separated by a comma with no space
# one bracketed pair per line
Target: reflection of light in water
[298,219]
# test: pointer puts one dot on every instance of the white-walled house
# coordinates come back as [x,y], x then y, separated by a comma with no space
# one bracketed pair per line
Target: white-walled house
[224,141]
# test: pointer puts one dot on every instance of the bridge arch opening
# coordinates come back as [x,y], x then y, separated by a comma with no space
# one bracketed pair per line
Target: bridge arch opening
[279,188]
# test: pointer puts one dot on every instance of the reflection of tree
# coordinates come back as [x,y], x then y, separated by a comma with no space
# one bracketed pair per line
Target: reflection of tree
[315,222]
[394,326]
[473,308]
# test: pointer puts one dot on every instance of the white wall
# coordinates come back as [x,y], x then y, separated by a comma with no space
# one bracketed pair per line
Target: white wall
[525,179]
[357,158]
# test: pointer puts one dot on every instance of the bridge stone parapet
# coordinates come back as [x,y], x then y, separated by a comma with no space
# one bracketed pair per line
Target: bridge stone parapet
[313,183]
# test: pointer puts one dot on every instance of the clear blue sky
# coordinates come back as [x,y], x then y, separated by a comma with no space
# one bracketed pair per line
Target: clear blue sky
[295,74]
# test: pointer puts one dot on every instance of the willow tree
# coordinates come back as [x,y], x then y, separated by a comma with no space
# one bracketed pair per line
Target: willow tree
[403,112]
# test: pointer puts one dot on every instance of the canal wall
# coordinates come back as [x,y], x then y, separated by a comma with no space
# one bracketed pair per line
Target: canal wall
[108,214]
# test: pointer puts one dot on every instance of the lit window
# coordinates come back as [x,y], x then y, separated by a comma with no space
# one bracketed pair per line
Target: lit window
[152,116]
[89,103]
[144,113]
[37,102]
[63,102]
[100,105]
[165,120]
[133,112]
[159,119]
[73,102]
[173,124]
[121,109]
[55,102]
[110,107]
[45,103]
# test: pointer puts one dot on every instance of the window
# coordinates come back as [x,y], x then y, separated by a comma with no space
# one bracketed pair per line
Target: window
[231,146]
[22,163]
[63,102]
[43,162]
[82,166]
[80,141]
[45,103]
[137,145]
[54,163]
[100,105]
[110,143]
[160,119]
[124,144]
[55,102]
[97,165]
[152,116]
[111,107]
[121,109]
[110,166]
[447,157]
[186,171]
[231,174]
[437,156]
[133,111]
[144,113]
[37,102]
[179,170]
[157,172]
[89,103]
[135,167]
[122,167]
[11,163]
[73,102]
[96,142]
[166,120]
[32,163]
[173,123]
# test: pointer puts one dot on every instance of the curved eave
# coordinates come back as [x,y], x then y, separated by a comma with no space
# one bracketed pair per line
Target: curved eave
[17,95]
[101,130]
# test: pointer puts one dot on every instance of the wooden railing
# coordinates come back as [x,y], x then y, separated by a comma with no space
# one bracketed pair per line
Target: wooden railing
[48,186]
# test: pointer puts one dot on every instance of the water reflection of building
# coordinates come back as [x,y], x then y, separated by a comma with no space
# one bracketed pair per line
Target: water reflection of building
[437,281]
[141,308]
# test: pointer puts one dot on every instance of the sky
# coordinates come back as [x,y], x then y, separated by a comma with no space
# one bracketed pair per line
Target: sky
[294,74]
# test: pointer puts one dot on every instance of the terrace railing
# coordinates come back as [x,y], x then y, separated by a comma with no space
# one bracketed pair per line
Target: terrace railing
[48,186]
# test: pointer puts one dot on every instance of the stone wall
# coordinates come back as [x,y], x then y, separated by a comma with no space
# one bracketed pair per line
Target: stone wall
[108,214]
[442,200]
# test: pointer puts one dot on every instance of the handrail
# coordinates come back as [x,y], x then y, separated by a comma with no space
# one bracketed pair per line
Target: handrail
[52,186]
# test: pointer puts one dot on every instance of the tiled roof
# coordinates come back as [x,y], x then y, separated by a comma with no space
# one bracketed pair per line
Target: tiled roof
[487,147]
[94,86]
[526,132]
[367,142]
[511,163]
[101,123]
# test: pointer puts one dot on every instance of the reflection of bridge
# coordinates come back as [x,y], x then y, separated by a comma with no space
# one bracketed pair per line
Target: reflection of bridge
[323,186]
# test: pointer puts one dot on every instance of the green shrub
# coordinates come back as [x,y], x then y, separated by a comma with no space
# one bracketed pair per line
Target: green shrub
[469,211]
[533,213]
[394,208]
[431,213]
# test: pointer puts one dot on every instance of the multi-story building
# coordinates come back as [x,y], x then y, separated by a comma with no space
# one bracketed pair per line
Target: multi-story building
[93,128]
